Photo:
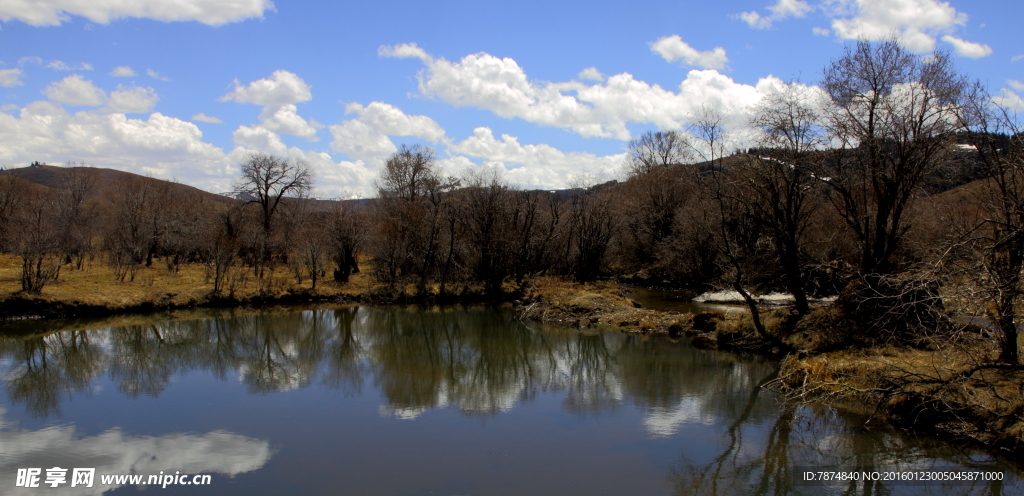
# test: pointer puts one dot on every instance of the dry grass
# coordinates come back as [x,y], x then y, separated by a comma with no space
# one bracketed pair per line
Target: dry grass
[955,387]
[551,299]
[95,285]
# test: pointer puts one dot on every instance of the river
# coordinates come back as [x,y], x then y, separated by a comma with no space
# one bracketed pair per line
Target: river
[438,401]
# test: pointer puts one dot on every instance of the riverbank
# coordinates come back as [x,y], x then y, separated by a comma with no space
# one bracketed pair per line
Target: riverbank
[946,385]
[93,291]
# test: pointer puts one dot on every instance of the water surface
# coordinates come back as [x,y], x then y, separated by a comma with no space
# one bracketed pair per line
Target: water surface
[407,401]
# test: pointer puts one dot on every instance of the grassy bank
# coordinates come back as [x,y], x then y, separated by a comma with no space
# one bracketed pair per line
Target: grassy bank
[94,291]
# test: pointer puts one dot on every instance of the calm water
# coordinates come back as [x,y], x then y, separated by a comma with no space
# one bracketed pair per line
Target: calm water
[402,401]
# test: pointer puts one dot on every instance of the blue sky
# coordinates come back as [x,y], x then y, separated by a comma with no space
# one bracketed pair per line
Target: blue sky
[547,91]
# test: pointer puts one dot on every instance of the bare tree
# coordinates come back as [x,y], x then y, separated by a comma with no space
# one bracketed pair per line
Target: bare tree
[36,238]
[413,239]
[997,237]
[131,231]
[74,217]
[655,190]
[12,194]
[592,224]
[346,226]
[724,213]
[892,114]
[778,179]
[266,181]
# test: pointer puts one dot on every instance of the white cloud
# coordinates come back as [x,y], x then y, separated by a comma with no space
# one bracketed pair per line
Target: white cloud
[915,22]
[286,120]
[1007,98]
[1017,85]
[259,138]
[8,107]
[29,60]
[1016,58]
[156,75]
[783,9]
[73,90]
[591,110]
[968,48]
[54,12]
[160,145]
[10,78]
[201,117]
[404,51]
[278,95]
[57,65]
[821,31]
[358,140]
[390,120]
[122,71]
[673,48]
[132,100]
[366,137]
[281,88]
[534,166]
[591,74]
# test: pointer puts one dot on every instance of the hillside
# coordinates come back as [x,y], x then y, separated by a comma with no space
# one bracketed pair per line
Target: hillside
[106,180]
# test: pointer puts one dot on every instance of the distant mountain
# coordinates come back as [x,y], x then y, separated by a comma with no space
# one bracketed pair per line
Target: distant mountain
[106,180]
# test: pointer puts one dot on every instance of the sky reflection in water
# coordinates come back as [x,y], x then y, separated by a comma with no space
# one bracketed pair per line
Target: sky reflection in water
[410,401]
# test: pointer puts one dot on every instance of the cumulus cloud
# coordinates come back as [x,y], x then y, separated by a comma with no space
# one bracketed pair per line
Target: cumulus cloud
[1016,58]
[160,145]
[390,120]
[591,74]
[783,9]
[54,12]
[591,110]
[156,75]
[278,95]
[1017,85]
[58,65]
[360,141]
[281,88]
[10,78]
[673,48]
[968,48]
[201,117]
[821,31]
[366,137]
[73,90]
[122,71]
[915,22]
[285,119]
[132,100]
[533,166]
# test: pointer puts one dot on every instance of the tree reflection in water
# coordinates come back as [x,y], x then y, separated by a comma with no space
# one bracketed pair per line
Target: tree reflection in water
[484,362]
